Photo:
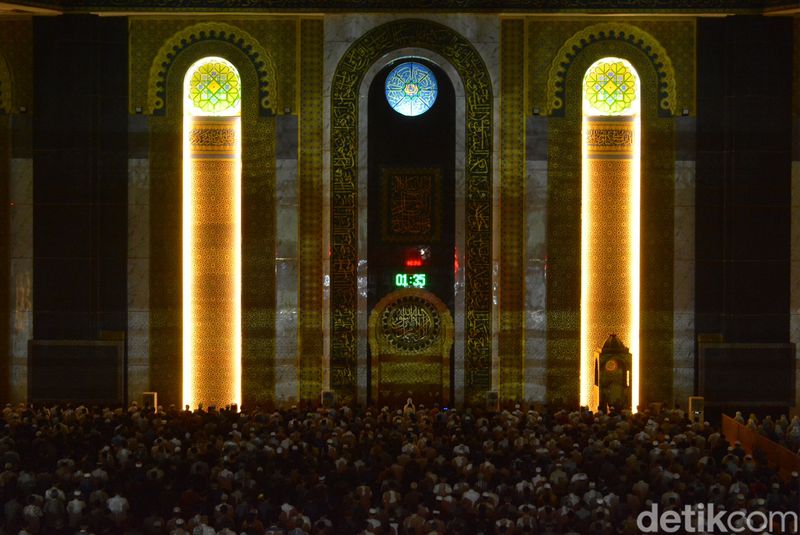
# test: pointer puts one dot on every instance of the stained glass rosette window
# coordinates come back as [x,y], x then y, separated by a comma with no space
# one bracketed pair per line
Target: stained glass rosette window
[214,88]
[411,88]
[610,87]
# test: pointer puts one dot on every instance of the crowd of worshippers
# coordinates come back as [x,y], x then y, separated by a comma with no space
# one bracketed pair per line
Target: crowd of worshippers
[780,430]
[366,471]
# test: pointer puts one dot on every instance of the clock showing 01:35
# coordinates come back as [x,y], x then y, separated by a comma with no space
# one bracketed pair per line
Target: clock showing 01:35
[410,280]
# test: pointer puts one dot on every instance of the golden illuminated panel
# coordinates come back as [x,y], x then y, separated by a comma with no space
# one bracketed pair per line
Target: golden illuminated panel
[212,261]
[411,325]
[609,241]
[411,373]
[410,336]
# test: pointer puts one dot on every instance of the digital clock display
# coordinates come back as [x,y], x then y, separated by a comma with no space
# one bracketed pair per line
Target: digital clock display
[410,280]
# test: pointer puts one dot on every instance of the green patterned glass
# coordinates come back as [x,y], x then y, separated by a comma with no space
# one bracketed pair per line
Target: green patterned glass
[610,87]
[215,87]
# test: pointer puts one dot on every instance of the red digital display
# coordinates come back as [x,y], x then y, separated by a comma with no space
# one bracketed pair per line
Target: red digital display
[414,257]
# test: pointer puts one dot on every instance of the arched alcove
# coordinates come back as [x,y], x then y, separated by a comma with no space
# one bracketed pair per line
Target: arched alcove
[257,232]
[212,234]
[459,194]
[411,175]
[610,216]
[656,226]
[345,157]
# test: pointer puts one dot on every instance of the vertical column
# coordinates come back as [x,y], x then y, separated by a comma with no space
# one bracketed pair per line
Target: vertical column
[362,248]
[512,196]
[212,261]
[460,240]
[16,197]
[480,250]
[5,246]
[536,259]
[165,319]
[609,241]
[260,270]
[21,272]
[332,54]
[18,164]
[684,261]
[563,267]
[794,318]
[310,251]
[138,257]
[286,264]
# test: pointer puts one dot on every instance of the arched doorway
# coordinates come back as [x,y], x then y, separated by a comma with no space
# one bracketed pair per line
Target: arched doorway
[346,174]
[411,222]
[411,336]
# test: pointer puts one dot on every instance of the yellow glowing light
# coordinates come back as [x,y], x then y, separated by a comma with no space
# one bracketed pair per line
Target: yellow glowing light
[586,361]
[636,200]
[610,173]
[237,267]
[211,252]
[188,271]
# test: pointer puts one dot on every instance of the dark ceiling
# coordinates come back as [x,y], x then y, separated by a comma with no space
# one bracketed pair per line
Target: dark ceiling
[509,6]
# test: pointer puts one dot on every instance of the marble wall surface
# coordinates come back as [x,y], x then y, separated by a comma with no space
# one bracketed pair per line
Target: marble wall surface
[286,277]
[21,273]
[684,262]
[340,32]
[138,277]
[536,259]
[683,289]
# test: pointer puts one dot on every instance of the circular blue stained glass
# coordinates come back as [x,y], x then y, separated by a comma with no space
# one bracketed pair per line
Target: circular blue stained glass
[411,88]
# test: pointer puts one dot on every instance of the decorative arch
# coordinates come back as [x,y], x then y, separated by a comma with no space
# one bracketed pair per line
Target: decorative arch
[610,239]
[6,87]
[349,73]
[212,31]
[657,160]
[258,230]
[211,233]
[619,32]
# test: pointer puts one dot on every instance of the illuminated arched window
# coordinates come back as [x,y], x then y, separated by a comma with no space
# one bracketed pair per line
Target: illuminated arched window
[610,213]
[214,88]
[212,234]
[610,87]
[411,88]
